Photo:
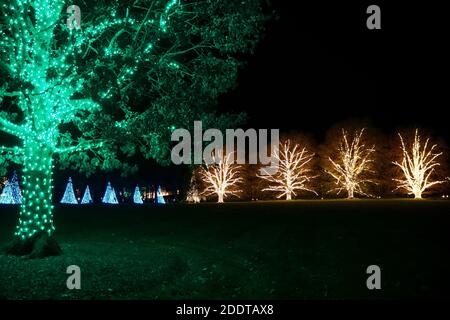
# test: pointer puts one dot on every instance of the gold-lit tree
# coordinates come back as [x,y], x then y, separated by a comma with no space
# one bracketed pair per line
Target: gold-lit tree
[222,177]
[293,171]
[417,165]
[193,194]
[352,165]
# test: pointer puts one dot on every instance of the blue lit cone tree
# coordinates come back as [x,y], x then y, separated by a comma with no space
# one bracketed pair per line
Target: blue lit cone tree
[69,194]
[87,96]
[137,198]
[6,197]
[159,196]
[15,189]
[87,198]
[110,195]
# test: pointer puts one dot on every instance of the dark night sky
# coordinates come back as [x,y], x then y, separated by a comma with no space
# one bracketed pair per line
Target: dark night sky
[318,64]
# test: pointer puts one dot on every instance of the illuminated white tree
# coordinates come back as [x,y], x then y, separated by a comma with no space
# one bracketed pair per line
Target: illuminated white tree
[351,165]
[417,166]
[193,196]
[222,176]
[292,172]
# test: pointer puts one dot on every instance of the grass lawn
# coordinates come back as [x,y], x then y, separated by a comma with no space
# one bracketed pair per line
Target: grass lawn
[282,250]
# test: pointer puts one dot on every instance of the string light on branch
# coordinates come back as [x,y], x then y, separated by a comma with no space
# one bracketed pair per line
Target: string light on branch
[39,50]
[85,95]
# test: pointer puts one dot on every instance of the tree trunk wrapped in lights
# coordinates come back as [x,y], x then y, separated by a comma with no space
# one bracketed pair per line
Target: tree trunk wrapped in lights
[80,96]
[293,173]
[418,165]
[221,177]
[351,165]
[35,227]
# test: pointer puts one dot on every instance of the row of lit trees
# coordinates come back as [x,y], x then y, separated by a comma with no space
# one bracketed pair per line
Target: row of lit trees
[350,168]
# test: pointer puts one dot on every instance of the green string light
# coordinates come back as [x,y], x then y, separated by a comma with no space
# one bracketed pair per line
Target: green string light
[53,81]
[176,55]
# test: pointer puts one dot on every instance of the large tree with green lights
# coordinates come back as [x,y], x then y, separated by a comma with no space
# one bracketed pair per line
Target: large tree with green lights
[84,96]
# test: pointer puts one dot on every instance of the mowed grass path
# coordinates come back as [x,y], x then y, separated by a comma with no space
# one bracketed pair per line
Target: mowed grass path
[282,250]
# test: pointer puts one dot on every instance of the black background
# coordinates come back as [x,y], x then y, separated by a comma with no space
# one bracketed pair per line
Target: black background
[319,64]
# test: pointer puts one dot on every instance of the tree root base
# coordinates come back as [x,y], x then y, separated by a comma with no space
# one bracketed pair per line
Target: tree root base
[39,246]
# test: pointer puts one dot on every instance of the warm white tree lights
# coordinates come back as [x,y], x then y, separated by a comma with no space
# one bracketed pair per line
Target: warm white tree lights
[293,171]
[418,165]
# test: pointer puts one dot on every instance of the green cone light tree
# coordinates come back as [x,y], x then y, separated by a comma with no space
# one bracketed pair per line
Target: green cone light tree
[85,93]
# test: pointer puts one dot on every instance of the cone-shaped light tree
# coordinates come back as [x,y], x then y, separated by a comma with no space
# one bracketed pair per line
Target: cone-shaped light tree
[85,95]
[417,165]
[87,198]
[15,188]
[69,194]
[110,196]
[11,193]
[351,165]
[137,198]
[293,172]
[222,176]
[159,196]
[6,197]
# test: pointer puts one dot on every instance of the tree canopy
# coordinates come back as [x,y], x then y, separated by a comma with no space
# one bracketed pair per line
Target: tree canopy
[132,73]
